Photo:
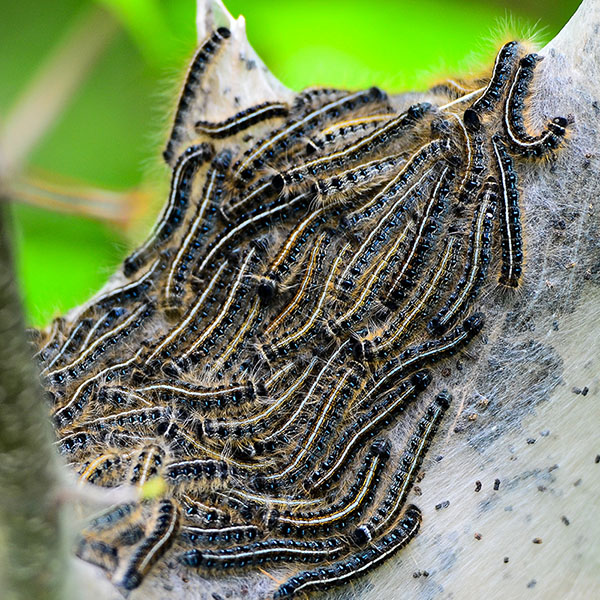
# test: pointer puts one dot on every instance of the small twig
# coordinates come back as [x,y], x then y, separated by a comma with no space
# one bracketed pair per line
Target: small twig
[119,208]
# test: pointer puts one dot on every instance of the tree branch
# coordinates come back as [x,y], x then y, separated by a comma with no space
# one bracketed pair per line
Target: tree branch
[34,542]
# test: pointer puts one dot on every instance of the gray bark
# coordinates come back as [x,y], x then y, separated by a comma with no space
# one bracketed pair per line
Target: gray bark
[33,556]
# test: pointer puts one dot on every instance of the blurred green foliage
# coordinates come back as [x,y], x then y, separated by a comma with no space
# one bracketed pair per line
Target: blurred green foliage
[112,131]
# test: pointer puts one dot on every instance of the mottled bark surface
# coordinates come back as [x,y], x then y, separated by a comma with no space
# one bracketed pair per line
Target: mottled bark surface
[33,555]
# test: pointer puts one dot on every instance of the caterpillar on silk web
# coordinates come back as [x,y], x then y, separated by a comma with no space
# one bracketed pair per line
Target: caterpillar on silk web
[317,262]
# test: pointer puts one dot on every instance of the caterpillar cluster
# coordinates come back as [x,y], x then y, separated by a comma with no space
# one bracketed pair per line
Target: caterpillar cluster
[315,264]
